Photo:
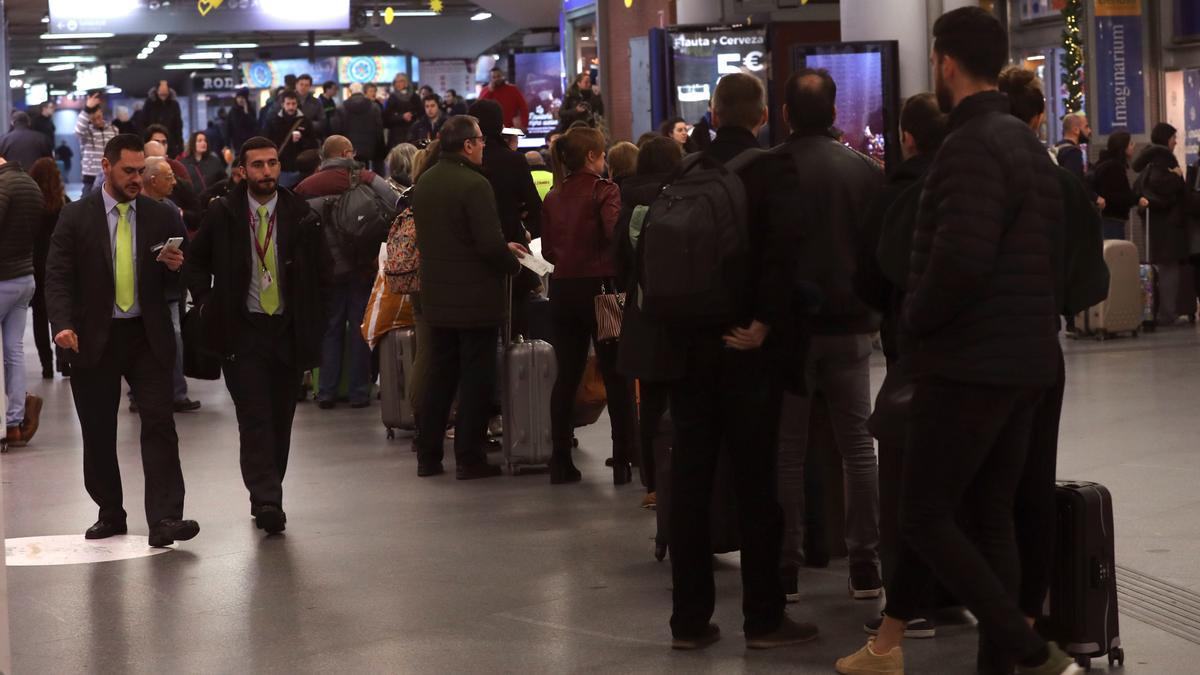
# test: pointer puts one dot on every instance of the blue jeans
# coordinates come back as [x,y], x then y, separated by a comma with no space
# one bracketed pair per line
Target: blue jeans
[347,306]
[15,295]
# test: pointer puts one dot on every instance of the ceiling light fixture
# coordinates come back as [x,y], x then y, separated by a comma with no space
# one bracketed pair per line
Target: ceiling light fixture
[79,58]
[75,36]
[189,66]
[16,83]
[155,44]
[481,16]
[1039,57]
[413,12]
[67,48]
[204,56]
[161,37]
[61,67]
[230,45]
[143,56]
[333,43]
[16,72]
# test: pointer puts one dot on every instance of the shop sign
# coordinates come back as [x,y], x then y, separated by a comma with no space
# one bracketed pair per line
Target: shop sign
[196,16]
[214,83]
[1119,64]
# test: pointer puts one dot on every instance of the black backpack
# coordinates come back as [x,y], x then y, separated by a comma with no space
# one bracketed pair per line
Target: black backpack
[694,241]
[360,220]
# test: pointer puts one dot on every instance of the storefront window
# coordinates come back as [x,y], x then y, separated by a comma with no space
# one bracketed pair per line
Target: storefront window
[1033,10]
[1187,20]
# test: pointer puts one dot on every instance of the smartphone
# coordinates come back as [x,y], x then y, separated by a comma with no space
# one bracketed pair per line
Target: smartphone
[170,244]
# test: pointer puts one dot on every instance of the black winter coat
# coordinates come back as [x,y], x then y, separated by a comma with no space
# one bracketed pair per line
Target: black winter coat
[21,206]
[240,126]
[982,307]
[1164,189]
[24,146]
[1110,180]
[279,130]
[397,105]
[218,266]
[837,185]
[360,120]
[168,114]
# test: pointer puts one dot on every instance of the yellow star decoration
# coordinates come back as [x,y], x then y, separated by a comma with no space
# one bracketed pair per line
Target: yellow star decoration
[436,5]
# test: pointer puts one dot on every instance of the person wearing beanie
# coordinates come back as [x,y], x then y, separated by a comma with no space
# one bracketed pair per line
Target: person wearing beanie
[1161,183]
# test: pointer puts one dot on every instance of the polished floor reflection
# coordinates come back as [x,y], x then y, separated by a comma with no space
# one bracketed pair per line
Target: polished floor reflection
[382,572]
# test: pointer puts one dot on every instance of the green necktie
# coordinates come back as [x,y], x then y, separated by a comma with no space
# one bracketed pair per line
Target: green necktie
[268,297]
[123,262]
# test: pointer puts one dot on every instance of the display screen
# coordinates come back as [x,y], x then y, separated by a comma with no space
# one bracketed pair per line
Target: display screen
[539,77]
[196,16]
[87,79]
[271,74]
[866,103]
[372,69]
[700,58]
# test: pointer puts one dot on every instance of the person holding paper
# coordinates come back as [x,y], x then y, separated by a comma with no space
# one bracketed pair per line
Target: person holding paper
[578,218]
[465,263]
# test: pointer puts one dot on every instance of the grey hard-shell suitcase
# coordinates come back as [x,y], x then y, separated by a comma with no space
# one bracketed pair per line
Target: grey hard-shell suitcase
[396,353]
[1122,310]
[530,369]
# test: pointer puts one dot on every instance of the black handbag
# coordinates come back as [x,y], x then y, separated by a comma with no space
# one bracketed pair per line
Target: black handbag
[198,363]
[888,422]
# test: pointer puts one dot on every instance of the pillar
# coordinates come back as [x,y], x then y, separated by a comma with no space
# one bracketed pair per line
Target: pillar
[906,21]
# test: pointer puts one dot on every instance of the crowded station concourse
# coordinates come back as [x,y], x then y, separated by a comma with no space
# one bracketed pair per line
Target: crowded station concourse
[650,336]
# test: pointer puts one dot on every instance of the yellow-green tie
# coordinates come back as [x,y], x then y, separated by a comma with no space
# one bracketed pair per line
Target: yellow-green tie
[268,298]
[123,262]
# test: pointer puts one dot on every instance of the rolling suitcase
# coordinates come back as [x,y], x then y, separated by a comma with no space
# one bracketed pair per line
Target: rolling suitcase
[1148,274]
[1122,311]
[1081,612]
[396,352]
[529,371]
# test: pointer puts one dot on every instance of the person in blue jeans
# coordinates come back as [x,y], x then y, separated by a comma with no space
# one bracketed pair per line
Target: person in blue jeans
[21,204]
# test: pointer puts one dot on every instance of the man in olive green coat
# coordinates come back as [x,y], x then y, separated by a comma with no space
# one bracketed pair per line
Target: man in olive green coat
[464,264]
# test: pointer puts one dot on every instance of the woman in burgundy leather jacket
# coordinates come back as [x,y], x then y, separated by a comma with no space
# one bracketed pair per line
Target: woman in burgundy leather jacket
[578,217]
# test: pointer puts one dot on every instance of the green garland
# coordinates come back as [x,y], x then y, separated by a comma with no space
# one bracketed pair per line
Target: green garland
[1072,60]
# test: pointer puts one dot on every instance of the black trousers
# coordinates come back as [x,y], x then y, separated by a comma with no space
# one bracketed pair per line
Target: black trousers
[656,398]
[462,360]
[97,395]
[262,380]
[1035,510]
[725,404]
[573,313]
[967,445]
[41,321]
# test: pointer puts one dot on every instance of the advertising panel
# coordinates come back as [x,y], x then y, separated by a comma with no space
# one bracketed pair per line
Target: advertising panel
[366,69]
[539,77]
[137,17]
[1191,123]
[448,74]
[700,58]
[1119,63]
[270,74]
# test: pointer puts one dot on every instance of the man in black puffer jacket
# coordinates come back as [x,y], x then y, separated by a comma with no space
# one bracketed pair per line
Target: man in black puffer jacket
[982,313]
[21,204]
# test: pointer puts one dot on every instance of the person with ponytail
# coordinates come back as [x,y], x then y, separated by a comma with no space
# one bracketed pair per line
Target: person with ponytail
[578,218]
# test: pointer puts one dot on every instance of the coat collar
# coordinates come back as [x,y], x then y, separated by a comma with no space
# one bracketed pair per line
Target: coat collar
[977,105]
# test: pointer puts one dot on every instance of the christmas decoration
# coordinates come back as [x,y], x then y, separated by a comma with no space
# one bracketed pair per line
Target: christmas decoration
[1072,59]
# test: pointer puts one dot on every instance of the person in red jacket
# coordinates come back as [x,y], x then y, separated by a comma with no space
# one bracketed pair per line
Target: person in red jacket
[578,218]
[510,98]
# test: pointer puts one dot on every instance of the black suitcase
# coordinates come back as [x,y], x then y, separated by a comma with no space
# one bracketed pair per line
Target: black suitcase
[1082,604]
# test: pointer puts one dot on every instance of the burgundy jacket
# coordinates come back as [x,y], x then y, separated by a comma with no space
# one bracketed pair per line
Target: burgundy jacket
[578,217]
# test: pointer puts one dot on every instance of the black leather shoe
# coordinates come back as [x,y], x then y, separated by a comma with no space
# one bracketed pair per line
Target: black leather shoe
[427,470]
[325,405]
[476,471]
[622,473]
[187,405]
[103,530]
[564,472]
[271,518]
[168,531]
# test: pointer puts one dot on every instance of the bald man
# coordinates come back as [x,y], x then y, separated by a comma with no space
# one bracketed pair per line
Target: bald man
[1069,153]
[353,278]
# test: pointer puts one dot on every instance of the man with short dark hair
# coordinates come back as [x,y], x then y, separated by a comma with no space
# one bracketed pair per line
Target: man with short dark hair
[464,264]
[983,320]
[260,268]
[426,129]
[292,132]
[162,108]
[510,98]
[311,106]
[23,145]
[727,401]
[837,185]
[328,99]
[109,313]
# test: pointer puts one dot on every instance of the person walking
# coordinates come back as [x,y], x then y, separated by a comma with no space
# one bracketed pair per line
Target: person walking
[982,257]
[22,145]
[838,185]
[204,165]
[464,265]
[106,296]
[261,270]
[20,214]
[360,120]
[352,279]
[54,196]
[578,218]
[162,107]
[43,120]
[401,111]
[94,135]
[512,102]
[1110,180]
[292,133]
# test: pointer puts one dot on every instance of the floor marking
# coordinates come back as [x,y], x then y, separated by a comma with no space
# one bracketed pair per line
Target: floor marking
[581,631]
[73,549]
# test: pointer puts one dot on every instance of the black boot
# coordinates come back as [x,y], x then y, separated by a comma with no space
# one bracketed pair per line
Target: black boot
[562,470]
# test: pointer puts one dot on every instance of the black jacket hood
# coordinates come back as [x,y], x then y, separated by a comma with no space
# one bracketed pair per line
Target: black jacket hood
[490,116]
[1154,154]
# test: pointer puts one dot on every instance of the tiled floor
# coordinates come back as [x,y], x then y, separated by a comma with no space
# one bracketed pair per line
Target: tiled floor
[382,572]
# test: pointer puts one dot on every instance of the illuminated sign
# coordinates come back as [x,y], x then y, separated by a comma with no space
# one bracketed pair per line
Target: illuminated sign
[197,16]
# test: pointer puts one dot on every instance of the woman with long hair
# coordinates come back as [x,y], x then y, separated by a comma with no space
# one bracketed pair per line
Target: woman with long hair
[676,129]
[204,166]
[1161,183]
[580,94]
[45,173]
[578,218]
[1110,180]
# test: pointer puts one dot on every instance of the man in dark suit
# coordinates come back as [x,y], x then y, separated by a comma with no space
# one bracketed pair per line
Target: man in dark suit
[261,270]
[105,293]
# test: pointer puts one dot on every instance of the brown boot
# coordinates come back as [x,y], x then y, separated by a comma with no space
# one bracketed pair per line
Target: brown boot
[33,416]
[14,438]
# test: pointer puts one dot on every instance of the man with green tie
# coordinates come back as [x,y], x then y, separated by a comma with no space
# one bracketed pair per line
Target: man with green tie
[260,269]
[106,278]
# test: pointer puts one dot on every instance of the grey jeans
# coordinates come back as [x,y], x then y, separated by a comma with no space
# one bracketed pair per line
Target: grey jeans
[838,366]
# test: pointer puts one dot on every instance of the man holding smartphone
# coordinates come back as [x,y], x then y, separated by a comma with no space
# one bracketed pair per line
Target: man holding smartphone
[106,297]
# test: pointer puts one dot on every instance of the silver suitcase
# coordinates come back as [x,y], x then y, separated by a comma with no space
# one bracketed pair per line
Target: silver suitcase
[396,353]
[529,373]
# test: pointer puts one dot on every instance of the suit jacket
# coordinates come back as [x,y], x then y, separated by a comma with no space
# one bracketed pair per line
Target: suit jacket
[81,290]
[217,272]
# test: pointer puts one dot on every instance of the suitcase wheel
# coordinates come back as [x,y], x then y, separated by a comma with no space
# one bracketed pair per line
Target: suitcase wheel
[1116,656]
[1084,662]
[660,552]
[391,433]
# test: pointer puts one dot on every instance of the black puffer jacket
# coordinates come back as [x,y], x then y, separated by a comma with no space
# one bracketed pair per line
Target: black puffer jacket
[837,186]
[167,113]
[360,120]
[982,307]
[1164,189]
[21,205]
